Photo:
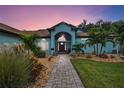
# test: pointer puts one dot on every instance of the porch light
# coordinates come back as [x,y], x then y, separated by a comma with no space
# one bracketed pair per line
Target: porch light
[61,43]
[84,38]
[43,39]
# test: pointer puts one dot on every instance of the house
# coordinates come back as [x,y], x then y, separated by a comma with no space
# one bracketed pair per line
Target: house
[57,39]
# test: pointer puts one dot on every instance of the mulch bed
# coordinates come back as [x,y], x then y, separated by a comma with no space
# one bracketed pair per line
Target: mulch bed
[43,77]
[116,58]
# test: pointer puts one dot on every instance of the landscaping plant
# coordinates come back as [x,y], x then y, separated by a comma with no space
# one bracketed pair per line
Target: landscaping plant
[78,48]
[30,44]
[15,69]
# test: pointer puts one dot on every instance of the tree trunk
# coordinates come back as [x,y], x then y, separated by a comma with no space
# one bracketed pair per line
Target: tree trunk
[101,49]
[94,49]
[97,50]
[117,48]
[122,48]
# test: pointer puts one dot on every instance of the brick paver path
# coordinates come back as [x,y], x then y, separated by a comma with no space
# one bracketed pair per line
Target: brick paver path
[64,75]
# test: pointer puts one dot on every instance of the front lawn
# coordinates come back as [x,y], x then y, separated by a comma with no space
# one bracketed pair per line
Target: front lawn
[100,74]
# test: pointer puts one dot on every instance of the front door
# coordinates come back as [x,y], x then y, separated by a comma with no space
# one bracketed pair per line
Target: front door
[61,46]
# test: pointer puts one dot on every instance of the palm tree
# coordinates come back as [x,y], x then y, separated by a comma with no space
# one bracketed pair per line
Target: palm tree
[107,33]
[99,22]
[29,41]
[94,39]
[82,26]
[99,35]
[91,42]
[119,32]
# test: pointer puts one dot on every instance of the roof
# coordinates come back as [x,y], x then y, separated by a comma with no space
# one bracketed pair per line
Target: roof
[41,32]
[8,28]
[81,34]
[72,26]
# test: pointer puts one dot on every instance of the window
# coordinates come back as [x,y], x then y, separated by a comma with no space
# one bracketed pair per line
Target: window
[43,44]
[84,38]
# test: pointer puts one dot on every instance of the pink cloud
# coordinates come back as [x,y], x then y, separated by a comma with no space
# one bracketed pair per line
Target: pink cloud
[41,17]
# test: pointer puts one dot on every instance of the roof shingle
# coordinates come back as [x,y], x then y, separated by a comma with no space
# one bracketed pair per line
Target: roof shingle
[41,32]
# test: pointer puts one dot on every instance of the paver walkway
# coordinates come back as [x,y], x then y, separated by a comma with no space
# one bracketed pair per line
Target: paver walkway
[64,75]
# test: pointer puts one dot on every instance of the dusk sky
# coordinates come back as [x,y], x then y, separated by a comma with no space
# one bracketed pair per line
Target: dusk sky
[42,17]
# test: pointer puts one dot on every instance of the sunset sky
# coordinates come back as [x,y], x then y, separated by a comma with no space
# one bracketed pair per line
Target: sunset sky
[42,17]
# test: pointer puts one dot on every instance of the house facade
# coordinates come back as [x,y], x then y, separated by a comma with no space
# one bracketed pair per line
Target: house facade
[57,39]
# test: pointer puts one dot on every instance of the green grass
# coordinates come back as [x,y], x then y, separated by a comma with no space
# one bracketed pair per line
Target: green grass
[100,74]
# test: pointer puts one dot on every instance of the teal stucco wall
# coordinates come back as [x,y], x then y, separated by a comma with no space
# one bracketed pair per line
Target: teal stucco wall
[9,39]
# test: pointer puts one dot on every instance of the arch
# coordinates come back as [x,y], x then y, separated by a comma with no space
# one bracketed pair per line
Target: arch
[56,32]
[66,34]
[62,46]
[62,38]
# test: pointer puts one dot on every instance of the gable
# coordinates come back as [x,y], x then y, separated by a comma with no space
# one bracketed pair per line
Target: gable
[63,26]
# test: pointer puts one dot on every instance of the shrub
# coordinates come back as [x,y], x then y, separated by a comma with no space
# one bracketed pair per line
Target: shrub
[103,56]
[78,48]
[112,56]
[122,57]
[88,56]
[54,54]
[15,69]
[73,54]
[40,54]
[93,53]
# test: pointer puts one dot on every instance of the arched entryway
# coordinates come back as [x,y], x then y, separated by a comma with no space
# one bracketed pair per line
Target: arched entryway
[63,42]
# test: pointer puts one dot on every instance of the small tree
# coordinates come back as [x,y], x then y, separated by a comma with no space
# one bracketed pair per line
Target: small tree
[29,41]
[119,34]
[99,34]
[78,48]
[91,42]
[82,26]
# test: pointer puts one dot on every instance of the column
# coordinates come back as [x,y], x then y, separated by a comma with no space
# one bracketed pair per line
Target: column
[52,44]
[65,46]
[58,46]
[72,41]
